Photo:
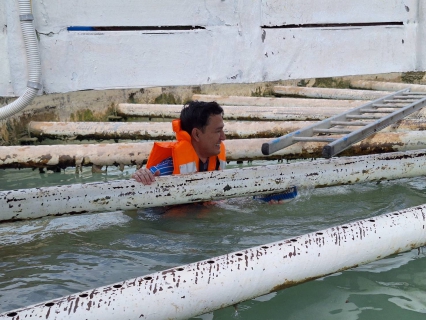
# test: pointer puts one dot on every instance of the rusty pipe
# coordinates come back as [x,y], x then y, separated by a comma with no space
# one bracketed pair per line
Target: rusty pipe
[163,130]
[152,130]
[205,186]
[63,156]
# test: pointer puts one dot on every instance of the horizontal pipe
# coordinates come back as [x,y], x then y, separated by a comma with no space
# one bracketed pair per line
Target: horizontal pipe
[330,93]
[163,131]
[152,130]
[100,130]
[378,143]
[189,290]
[205,186]
[312,112]
[266,113]
[64,156]
[121,154]
[276,102]
[390,86]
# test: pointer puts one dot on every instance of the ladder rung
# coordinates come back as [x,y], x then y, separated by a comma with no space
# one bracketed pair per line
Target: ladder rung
[417,97]
[363,117]
[313,139]
[332,130]
[405,101]
[383,105]
[376,111]
[416,93]
[349,123]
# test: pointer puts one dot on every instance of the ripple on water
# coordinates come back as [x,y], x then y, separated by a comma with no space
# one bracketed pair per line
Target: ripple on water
[56,256]
[21,232]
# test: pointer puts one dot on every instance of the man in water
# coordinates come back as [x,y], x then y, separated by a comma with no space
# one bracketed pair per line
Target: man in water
[199,146]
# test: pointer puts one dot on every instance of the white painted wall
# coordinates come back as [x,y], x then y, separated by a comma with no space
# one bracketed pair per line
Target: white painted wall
[236,45]
[278,12]
[5,77]
[421,36]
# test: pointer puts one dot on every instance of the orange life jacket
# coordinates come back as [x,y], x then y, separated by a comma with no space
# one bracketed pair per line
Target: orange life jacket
[185,159]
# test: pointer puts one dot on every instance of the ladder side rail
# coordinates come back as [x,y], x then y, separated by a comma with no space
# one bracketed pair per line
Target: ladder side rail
[345,142]
[287,140]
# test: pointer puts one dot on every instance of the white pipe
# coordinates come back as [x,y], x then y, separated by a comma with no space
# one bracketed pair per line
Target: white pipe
[121,154]
[197,288]
[390,86]
[330,93]
[277,102]
[310,112]
[163,130]
[205,186]
[33,60]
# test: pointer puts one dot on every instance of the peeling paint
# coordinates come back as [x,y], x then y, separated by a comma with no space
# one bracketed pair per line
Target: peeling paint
[63,156]
[204,186]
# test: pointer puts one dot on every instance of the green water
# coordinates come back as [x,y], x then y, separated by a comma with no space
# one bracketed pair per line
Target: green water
[53,257]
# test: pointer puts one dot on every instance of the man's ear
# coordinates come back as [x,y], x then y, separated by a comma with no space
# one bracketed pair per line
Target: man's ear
[195,134]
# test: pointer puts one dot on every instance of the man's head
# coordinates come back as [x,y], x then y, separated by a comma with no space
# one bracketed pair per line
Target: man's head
[204,123]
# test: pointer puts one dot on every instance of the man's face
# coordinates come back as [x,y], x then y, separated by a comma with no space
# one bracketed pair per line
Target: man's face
[207,143]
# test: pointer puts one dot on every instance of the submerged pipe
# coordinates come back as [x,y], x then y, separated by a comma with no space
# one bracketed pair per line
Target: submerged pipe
[205,186]
[121,154]
[33,61]
[189,290]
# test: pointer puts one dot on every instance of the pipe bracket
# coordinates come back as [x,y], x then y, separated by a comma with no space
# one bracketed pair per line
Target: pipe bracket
[26,17]
[34,85]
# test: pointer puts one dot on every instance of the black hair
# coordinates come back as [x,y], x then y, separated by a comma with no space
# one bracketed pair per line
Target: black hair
[195,114]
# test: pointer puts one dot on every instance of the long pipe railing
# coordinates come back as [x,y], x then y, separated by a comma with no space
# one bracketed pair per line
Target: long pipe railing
[205,186]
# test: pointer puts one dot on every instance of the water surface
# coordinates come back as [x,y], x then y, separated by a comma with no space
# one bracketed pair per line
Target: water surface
[56,256]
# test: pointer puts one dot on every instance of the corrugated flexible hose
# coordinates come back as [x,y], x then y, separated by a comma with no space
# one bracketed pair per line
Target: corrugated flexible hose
[33,60]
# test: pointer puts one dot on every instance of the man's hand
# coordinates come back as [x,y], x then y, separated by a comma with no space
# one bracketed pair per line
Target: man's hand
[145,176]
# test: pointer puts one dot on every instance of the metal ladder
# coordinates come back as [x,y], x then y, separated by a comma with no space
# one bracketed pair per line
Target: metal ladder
[370,118]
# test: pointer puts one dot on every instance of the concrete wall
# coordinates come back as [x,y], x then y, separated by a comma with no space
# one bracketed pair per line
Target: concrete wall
[421,36]
[237,41]
[5,77]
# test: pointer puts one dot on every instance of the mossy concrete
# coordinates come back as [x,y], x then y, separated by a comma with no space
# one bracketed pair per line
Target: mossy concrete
[415,77]
[331,83]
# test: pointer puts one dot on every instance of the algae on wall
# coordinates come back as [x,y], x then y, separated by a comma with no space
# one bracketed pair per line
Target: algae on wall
[415,77]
